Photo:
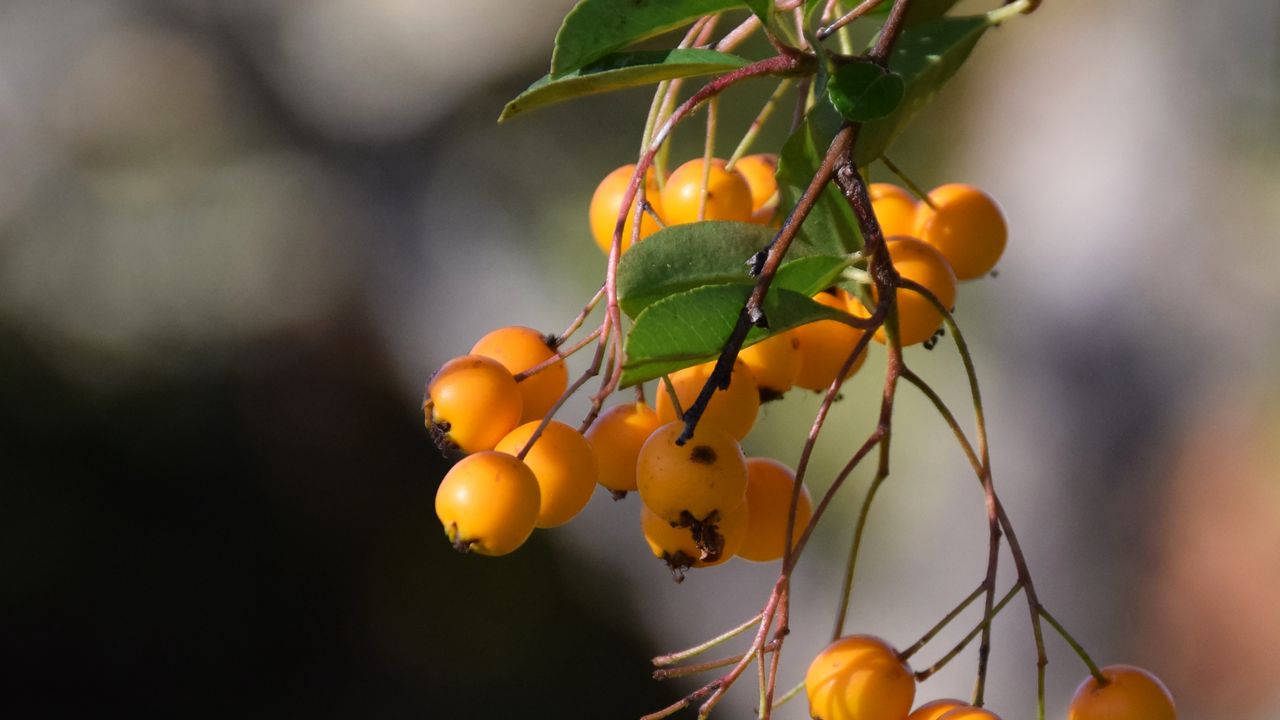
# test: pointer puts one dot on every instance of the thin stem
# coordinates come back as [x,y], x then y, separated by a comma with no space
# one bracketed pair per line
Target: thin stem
[788,696]
[682,671]
[582,316]
[559,356]
[708,152]
[754,130]
[681,656]
[923,675]
[1075,645]
[914,188]
[669,389]
[905,655]
[590,372]
[846,588]
[861,9]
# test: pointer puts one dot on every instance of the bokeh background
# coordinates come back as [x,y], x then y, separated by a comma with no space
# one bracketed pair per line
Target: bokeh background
[236,236]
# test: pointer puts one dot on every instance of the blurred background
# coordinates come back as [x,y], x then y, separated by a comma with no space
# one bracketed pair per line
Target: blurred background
[236,236]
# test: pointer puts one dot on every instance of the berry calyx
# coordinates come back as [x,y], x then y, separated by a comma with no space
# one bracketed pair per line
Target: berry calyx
[769,485]
[521,348]
[488,503]
[471,402]
[859,677]
[616,438]
[894,208]
[826,344]
[607,201]
[733,409]
[967,227]
[728,196]
[562,463]
[680,549]
[1131,693]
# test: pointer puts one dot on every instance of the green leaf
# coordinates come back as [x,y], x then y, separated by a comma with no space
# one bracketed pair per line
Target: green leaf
[830,228]
[691,327]
[595,28]
[926,56]
[621,70]
[864,91]
[810,275]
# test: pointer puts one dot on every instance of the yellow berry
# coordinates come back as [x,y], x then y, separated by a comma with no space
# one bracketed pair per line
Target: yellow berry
[774,363]
[607,200]
[616,437]
[732,410]
[518,349]
[935,709]
[488,503]
[967,227]
[769,485]
[698,482]
[914,260]
[760,172]
[728,195]
[680,550]
[562,463]
[859,677]
[895,209]
[472,401]
[1131,693]
[826,344]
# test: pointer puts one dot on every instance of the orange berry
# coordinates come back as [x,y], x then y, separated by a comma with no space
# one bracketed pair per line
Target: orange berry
[680,550]
[698,482]
[760,172]
[616,438]
[607,200]
[769,485]
[728,195]
[935,709]
[859,677]
[518,349]
[774,363]
[969,713]
[488,503]
[562,463]
[918,320]
[967,227]
[732,410]
[895,209]
[1131,693]
[472,401]
[826,344]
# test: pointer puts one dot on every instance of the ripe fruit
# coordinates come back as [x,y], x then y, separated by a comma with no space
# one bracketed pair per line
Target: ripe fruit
[562,463]
[773,363]
[472,401]
[935,709]
[678,547]
[918,320]
[826,344]
[769,484]
[859,677]
[698,482]
[616,437]
[969,713]
[607,200]
[518,349]
[760,172]
[488,503]
[728,195]
[732,410]
[968,228]
[1131,693]
[895,209]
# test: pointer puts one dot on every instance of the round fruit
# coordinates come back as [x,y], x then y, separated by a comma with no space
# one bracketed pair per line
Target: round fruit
[826,344]
[616,437]
[769,485]
[518,349]
[859,677]
[678,547]
[562,463]
[918,320]
[895,209]
[732,410]
[969,713]
[774,364]
[760,172]
[1131,693]
[472,401]
[488,503]
[698,482]
[728,195]
[607,200]
[935,709]
[967,227]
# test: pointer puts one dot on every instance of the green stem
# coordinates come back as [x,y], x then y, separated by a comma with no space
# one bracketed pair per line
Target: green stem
[1075,645]
[681,656]
[933,631]
[914,188]
[750,136]
[926,674]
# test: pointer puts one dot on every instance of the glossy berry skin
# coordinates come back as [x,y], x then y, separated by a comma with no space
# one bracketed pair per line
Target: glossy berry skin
[826,344]
[518,349]
[682,483]
[918,320]
[472,401]
[607,200]
[967,227]
[859,677]
[563,465]
[969,713]
[488,503]
[935,709]
[728,195]
[676,546]
[733,410]
[769,485]
[1131,693]
[616,438]
[760,172]
[774,363]
[894,208]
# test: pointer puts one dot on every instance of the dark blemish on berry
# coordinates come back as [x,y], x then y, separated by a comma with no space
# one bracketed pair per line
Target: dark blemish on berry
[703,455]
